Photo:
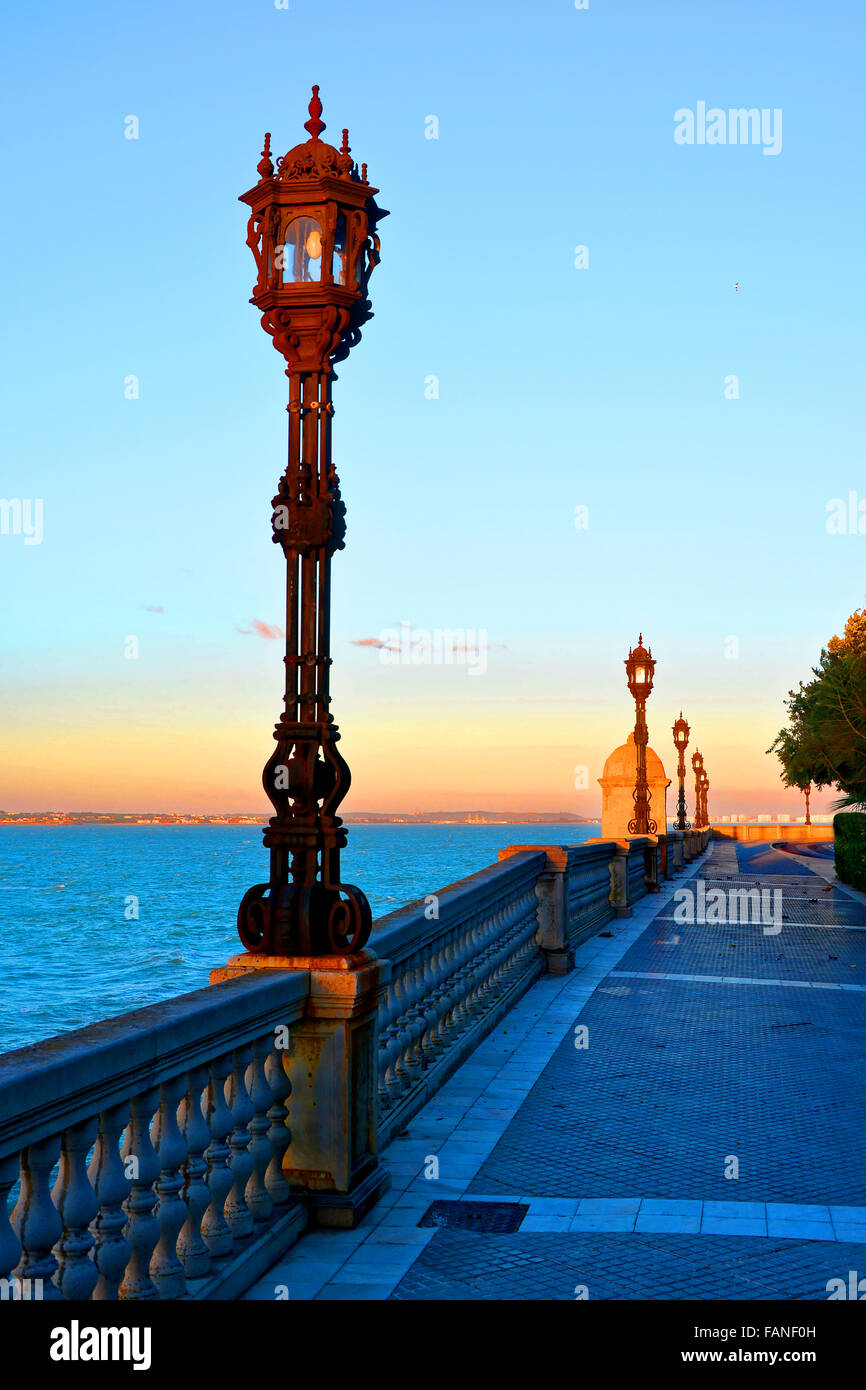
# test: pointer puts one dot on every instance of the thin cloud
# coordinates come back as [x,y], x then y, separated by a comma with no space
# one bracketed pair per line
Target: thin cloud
[154,608]
[455,646]
[260,629]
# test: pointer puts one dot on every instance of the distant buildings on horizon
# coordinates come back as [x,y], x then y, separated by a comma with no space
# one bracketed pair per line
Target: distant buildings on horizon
[764,818]
[257,817]
[125,818]
[367,818]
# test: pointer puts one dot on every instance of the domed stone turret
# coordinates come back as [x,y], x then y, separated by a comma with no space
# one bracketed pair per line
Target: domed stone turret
[617,785]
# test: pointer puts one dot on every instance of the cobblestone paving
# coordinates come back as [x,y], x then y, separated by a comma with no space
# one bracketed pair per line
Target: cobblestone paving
[459,1265]
[798,952]
[679,1075]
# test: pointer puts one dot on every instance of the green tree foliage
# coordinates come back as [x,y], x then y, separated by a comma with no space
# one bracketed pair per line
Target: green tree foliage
[825,741]
[849,834]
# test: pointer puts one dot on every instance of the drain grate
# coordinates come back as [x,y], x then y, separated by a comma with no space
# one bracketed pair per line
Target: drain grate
[491,1218]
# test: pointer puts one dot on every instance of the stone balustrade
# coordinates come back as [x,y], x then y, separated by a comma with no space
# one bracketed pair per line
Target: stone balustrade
[147,1150]
[152,1154]
[459,959]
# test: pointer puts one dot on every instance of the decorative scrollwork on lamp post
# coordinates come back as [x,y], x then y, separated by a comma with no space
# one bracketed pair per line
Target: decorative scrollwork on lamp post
[640,667]
[681,743]
[312,232]
[705,787]
[698,767]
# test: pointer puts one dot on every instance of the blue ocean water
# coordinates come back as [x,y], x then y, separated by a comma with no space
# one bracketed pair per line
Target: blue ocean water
[69,955]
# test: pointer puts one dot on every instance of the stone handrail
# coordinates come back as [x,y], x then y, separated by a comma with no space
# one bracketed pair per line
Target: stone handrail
[166,1128]
[776,830]
[459,960]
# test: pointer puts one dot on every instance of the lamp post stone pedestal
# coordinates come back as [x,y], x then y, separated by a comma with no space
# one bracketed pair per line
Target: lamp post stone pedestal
[331,1061]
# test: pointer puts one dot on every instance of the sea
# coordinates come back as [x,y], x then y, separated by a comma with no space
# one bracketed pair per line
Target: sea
[98,920]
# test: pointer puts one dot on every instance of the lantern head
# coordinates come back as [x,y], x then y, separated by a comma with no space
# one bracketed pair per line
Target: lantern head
[698,761]
[312,232]
[681,733]
[639,666]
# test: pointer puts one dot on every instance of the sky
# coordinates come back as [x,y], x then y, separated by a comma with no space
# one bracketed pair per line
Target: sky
[539,447]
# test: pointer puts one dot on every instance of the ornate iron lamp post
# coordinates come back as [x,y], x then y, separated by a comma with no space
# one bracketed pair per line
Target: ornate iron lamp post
[698,767]
[312,231]
[681,743]
[807,792]
[640,667]
[705,787]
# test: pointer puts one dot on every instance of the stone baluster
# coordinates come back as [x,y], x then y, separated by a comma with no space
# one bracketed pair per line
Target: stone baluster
[279,1134]
[522,924]
[489,937]
[396,1078]
[191,1249]
[452,988]
[238,1214]
[415,1023]
[494,970]
[524,943]
[473,978]
[10,1245]
[215,1230]
[464,978]
[433,1001]
[166,1269]
[433,978]
[257,1196]
[77,1206]
[35,1219]
[440,1041]
[142,1168]
[389,1046]
[529,949]
[448,993]
[401,1079]
[464,981]
[410,1065]
[526,925]
[111,1185]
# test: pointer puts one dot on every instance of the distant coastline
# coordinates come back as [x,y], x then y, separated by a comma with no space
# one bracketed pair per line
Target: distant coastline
[258,817]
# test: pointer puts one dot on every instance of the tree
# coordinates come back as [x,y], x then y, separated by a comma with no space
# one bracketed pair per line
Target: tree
[853,640]
[825,741]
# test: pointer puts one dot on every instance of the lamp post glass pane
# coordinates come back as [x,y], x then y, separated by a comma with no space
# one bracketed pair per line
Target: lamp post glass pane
[338,264]
[302,252]
[640,675]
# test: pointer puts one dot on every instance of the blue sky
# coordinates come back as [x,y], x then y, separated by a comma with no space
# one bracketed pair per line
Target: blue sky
[558,387]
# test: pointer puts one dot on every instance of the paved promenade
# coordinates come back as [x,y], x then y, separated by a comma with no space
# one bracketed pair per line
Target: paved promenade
[700,1135]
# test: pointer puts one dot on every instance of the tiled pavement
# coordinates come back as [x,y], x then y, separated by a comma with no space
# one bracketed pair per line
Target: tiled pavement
[621,1148]
[615,1266]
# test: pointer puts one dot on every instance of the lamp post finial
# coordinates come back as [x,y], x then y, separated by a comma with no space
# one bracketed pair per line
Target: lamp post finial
[314,125]
[265,165]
